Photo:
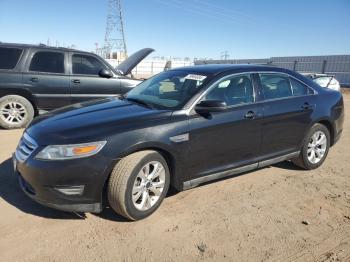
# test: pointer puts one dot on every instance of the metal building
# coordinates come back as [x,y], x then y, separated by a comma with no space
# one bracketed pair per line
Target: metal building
[337,65]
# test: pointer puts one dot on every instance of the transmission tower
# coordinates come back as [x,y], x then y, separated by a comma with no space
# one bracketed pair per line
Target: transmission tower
[114,37]
[225,55]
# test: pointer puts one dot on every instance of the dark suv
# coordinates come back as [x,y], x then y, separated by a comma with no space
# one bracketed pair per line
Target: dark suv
[37,78]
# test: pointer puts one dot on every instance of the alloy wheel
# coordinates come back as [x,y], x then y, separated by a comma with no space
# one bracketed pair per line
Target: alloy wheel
[13,113]
[317,147]
[148,186]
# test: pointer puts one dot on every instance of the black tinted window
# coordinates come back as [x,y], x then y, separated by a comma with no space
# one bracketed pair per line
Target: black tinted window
[86,65]
[9,57]
[299,89]
[49,62]
[234,91]
[275,86]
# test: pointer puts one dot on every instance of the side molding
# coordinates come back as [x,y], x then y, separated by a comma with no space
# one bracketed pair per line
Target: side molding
[200,180]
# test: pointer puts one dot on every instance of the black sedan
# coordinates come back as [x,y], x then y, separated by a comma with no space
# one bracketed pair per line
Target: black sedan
[180,128]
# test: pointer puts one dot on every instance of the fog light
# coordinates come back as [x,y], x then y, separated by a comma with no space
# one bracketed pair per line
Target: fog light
[71,190]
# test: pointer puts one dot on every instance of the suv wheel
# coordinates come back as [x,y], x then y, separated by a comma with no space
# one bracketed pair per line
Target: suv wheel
[15,112]
[315,148]
[138,184]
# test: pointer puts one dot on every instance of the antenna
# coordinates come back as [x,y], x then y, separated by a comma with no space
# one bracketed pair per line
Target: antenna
[114,37]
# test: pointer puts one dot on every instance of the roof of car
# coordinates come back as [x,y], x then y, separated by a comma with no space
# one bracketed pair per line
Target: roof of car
[38,46]
[219,68]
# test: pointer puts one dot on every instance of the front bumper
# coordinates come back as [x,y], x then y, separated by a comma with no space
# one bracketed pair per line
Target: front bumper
[27,189]
[41,181]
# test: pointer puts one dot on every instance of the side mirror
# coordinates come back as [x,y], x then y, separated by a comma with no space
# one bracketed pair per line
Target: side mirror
[104,73]
[208,106]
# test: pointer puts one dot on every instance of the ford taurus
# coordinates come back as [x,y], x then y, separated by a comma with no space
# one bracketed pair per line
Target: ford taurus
[180,128]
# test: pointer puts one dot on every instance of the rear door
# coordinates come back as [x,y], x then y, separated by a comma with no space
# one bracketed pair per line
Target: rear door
[46,75]
[288,105]
[85,81]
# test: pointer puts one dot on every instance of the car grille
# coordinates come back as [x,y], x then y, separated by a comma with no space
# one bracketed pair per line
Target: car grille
[25,148]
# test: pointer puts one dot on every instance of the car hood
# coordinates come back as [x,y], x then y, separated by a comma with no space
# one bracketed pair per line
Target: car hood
[91,121]
[125,67]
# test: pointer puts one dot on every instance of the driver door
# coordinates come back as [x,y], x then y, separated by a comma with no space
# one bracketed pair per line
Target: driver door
[225,140]
[85,82]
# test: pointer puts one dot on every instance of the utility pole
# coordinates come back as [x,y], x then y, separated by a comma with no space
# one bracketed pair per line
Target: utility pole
[114,37]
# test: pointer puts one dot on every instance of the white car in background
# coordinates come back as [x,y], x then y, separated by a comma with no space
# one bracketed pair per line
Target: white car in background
[324,80]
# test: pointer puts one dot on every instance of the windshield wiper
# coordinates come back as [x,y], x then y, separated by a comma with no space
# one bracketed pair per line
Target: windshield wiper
[138,101]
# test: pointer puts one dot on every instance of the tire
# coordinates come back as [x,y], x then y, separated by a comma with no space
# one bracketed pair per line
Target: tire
[128,177]
[311,148]
[15,112]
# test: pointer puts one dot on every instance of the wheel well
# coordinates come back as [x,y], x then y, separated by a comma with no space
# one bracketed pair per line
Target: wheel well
[330,129]
[168,158]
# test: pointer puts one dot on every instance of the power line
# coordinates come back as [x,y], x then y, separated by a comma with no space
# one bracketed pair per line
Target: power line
[210,12]
[220,13]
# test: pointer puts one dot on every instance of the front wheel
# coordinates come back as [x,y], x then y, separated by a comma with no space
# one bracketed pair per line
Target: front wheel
[138,184]
[315,148]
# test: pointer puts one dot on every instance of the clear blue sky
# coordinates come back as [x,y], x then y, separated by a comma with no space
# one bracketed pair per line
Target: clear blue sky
[193,28]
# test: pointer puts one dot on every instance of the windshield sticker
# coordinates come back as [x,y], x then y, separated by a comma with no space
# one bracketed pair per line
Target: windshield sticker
[195,77]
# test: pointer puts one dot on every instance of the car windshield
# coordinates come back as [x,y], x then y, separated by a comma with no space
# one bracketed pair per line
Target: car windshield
[323,81]
[168,90]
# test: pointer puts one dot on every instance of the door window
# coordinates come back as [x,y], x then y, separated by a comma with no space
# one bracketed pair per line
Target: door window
[48,62]
[275,86]
[299,89]
[86,65]
[9,57]
[234,91]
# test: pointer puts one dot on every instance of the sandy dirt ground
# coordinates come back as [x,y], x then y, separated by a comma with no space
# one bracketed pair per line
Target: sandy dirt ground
[257,216]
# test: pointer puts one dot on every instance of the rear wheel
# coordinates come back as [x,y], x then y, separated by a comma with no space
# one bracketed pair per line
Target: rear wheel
[138,184]
[315,148]
[15,112]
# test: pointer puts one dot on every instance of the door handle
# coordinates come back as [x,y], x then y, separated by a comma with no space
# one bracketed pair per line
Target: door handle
[249,115]
[76,81]
[306,106]
[34,79]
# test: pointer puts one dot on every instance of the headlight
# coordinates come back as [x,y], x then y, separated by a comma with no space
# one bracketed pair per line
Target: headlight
[61,152]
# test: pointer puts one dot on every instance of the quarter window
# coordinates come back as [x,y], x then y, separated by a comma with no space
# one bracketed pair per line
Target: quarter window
[236,90]
[275,86]
[299,89]
[86,65]
[9,57]
[48,62]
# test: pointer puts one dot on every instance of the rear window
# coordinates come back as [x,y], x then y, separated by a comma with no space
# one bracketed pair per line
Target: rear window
[275,86]
[9,57]
[48,62]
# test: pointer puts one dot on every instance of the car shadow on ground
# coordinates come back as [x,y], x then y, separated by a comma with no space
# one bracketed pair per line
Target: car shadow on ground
[109,214]
[288,165]
[12,194]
